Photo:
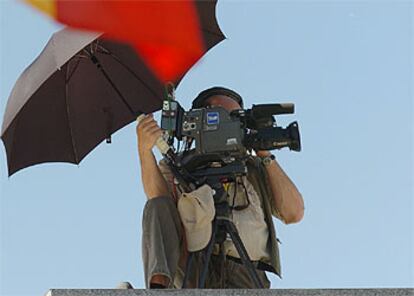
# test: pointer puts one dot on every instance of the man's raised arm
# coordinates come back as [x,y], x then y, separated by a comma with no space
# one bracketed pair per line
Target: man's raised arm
[287,198]
[154,183]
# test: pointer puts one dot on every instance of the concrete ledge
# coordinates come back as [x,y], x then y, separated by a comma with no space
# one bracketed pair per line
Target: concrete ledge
[207,292]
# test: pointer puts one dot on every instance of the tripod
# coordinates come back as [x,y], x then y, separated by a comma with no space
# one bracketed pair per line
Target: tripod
[222,226]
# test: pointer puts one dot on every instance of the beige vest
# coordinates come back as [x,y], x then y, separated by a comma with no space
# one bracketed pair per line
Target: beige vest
[262,205]
[257,175]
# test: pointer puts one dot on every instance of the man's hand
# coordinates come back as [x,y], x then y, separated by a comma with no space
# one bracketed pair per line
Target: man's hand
[263,153]
[148,133]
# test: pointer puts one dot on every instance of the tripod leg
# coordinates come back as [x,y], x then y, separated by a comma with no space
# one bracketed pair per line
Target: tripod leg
[187,269]
[244,256]
[222,266]
[209,251]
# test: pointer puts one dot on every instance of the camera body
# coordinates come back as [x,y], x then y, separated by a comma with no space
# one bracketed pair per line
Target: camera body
[220,135]
[214,131]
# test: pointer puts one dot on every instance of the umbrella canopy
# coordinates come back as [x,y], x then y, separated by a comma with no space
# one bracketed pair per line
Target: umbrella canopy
[82,88]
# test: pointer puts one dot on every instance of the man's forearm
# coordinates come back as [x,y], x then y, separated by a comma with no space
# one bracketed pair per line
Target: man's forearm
[152,179]
[288,200]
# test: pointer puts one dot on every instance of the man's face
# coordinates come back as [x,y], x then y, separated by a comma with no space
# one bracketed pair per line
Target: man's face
[223,101]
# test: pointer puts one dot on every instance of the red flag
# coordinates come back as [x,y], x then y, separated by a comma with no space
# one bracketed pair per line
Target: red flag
[166,34]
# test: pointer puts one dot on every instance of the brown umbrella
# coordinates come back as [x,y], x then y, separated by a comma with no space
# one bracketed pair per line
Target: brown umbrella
[79,90]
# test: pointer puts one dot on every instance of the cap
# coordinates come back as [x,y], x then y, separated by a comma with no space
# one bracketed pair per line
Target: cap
[197,213]
[200,100]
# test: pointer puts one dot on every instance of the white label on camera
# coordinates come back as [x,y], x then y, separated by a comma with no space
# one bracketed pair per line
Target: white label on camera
[212,118]
[231,141]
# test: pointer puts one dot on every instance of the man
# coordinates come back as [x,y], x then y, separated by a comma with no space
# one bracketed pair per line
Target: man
[266,191]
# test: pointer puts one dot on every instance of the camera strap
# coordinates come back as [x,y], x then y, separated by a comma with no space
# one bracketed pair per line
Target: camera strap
[236,183]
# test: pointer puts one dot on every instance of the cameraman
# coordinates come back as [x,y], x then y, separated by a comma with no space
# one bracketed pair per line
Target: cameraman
[266,191]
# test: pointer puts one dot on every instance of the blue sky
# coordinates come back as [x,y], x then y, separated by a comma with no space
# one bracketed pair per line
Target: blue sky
[347,66]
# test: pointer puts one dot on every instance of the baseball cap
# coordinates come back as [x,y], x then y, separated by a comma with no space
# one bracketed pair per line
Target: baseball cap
[197,212]
[200,100]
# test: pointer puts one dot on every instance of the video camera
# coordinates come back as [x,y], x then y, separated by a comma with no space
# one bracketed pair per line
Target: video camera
[223,136]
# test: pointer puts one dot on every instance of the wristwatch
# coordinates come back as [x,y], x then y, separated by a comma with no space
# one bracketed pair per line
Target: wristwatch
[267,160]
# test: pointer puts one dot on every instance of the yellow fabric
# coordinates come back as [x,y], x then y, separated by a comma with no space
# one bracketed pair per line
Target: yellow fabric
[226,186]
[46,6]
